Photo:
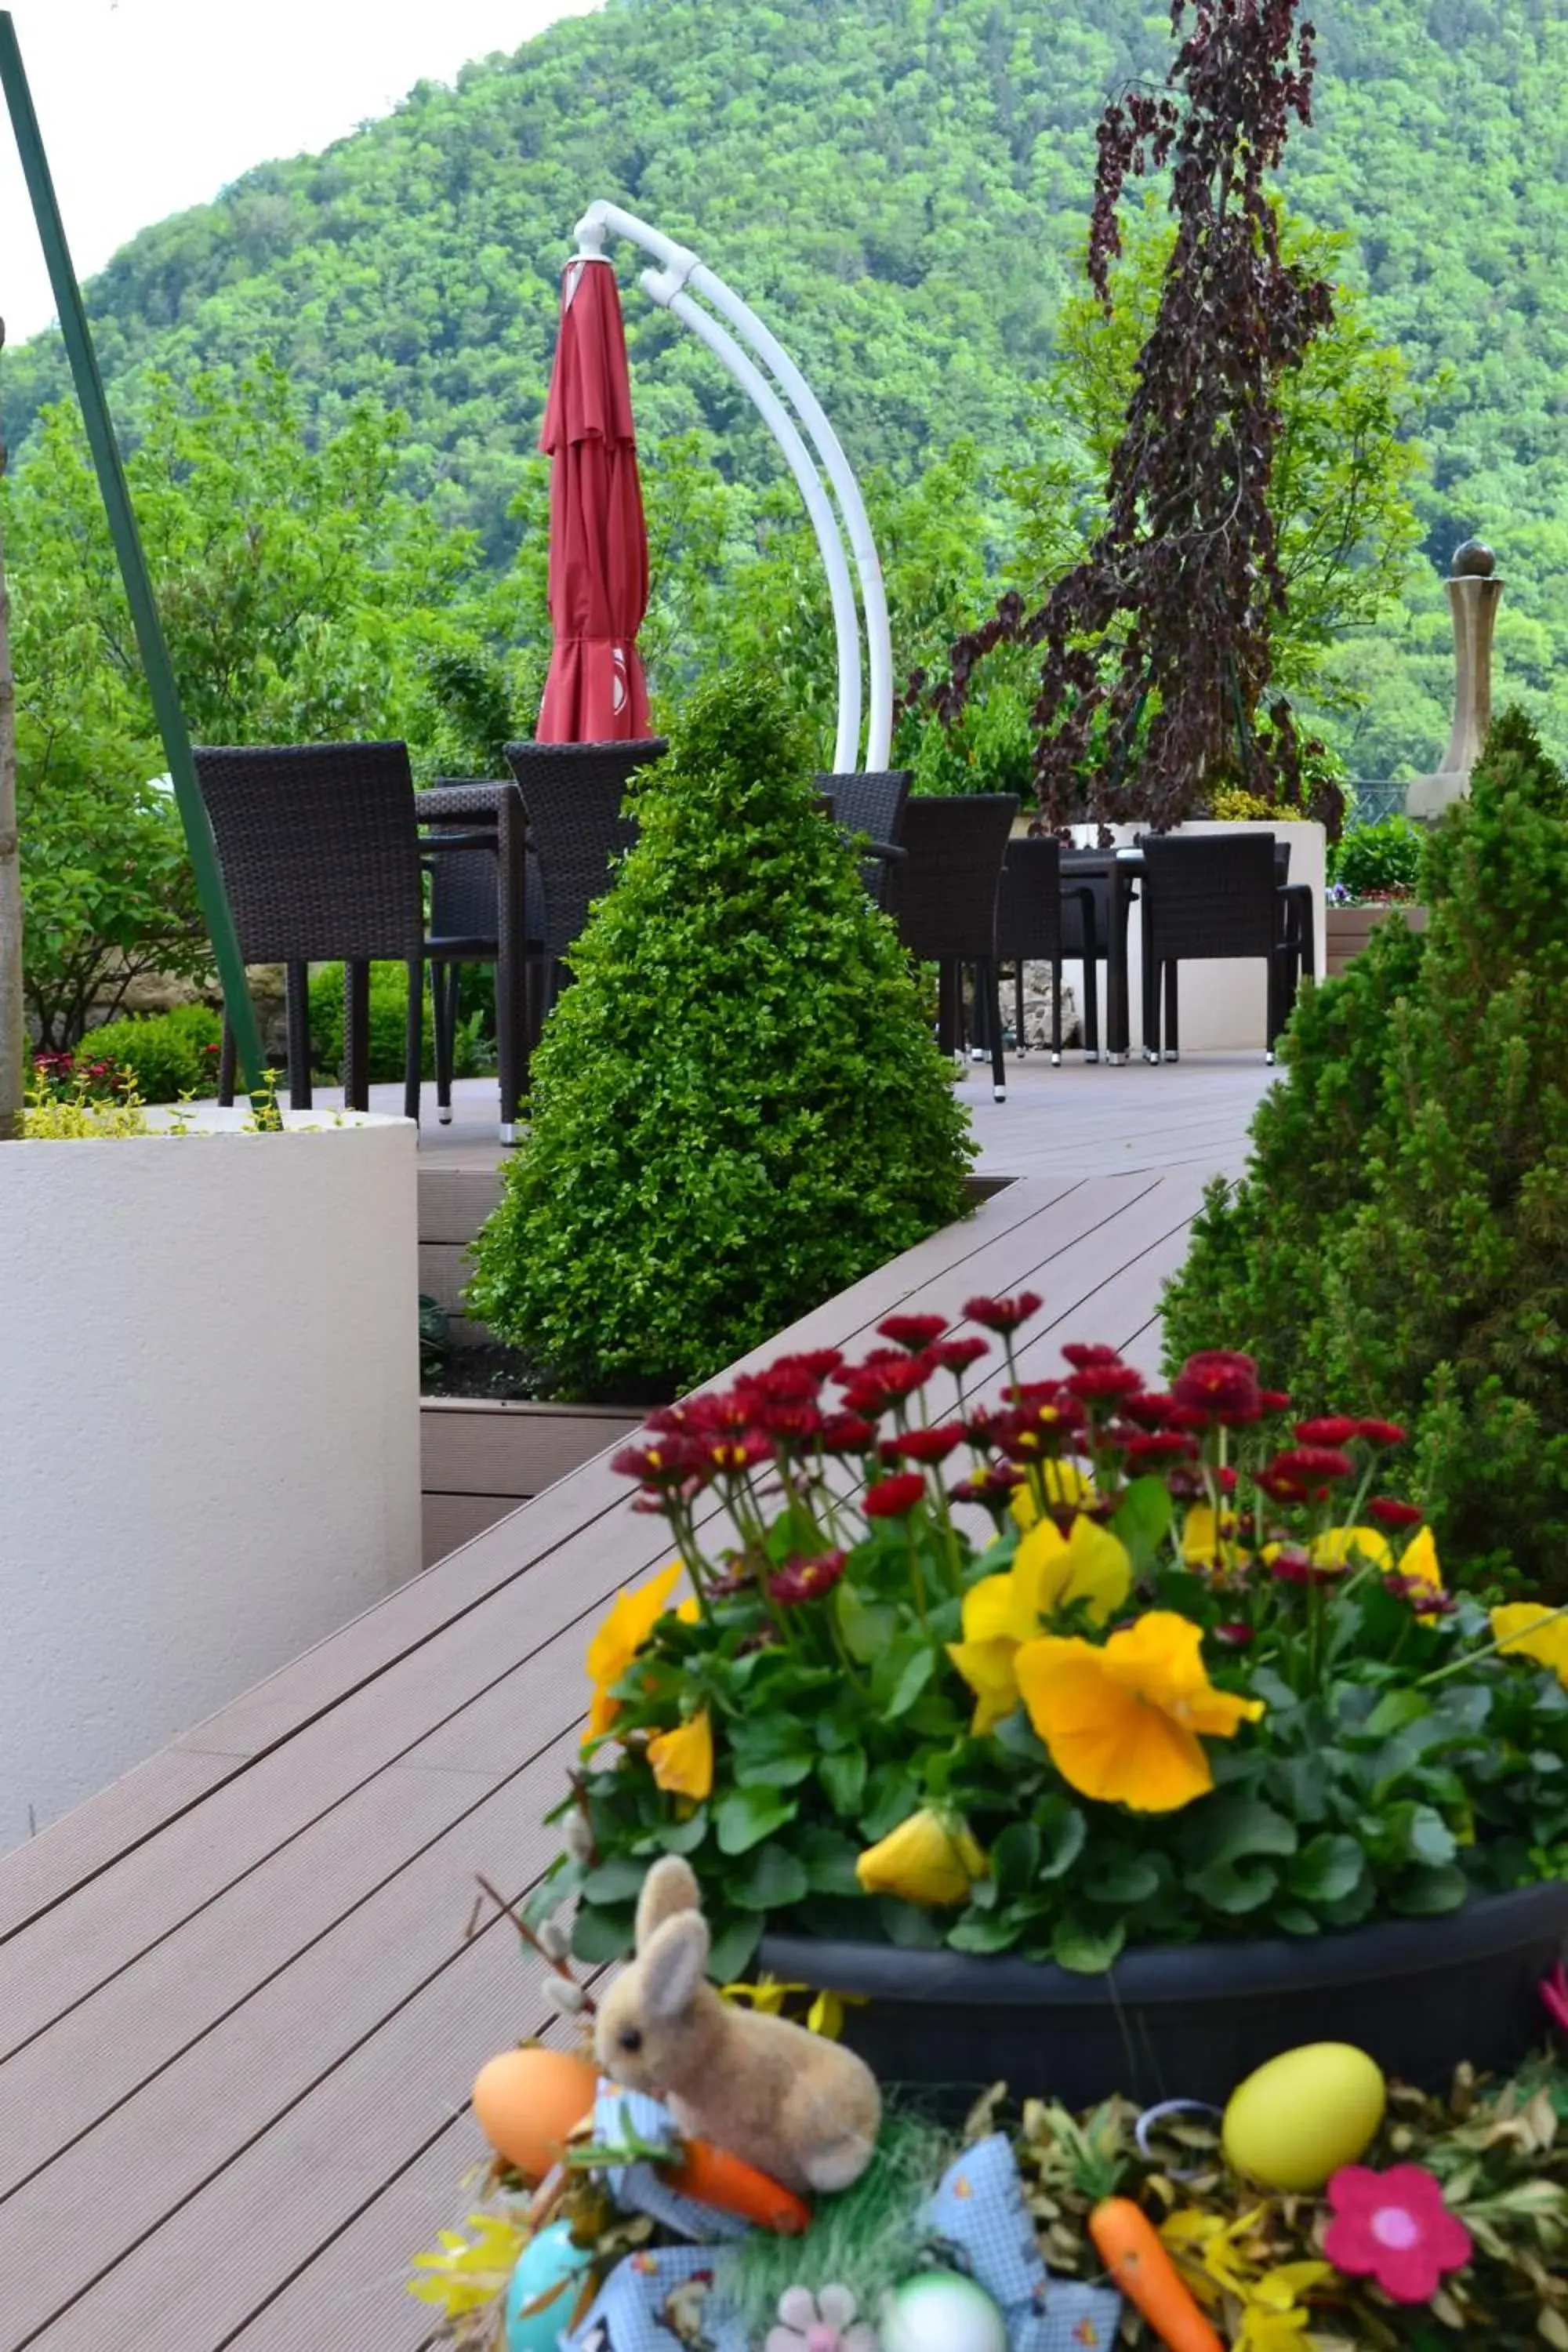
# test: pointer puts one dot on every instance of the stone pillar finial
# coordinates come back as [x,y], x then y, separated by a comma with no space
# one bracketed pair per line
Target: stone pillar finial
[1474,595]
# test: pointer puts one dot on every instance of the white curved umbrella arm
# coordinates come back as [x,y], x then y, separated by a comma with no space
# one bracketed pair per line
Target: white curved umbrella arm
[824,521]
[683,268]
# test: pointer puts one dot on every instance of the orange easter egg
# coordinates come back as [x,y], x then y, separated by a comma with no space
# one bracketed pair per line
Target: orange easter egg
[528,2102]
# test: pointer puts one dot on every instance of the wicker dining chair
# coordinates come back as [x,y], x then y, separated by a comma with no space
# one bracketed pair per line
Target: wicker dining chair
[1045,917]
[465,926]
[1211,896]
[870,802]
[942,897]
[320,855]
[576,828]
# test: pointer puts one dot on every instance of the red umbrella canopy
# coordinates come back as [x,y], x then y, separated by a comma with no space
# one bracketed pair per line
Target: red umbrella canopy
[596,692]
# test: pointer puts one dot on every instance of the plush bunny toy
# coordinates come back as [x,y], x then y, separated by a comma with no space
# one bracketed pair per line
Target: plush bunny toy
[800,2108]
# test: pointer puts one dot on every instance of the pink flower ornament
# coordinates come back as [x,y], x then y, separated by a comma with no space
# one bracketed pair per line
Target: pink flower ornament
[1395,2228]
[821,2322]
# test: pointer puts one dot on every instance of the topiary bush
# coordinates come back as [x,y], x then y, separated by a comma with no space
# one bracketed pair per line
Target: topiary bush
[1400,1241]
[738,1108]
[165,1055]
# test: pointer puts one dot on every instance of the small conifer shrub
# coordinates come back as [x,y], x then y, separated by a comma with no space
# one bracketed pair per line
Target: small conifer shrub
[1400,1243]
[738,1108]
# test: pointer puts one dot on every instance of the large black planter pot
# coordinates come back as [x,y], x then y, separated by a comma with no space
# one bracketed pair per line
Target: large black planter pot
[1419,1994]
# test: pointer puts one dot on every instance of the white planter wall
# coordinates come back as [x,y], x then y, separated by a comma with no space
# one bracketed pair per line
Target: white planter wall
[209,1427]
[1222,1006]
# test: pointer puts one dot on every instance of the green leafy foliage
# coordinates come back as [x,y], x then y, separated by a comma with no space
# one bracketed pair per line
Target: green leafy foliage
[1369,1749]
[737,1107]
[903,189]
[473,1046]
[1379,861]
[1400,1233]
[165,1055]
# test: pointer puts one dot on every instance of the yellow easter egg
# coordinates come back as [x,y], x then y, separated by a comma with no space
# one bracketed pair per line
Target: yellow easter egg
[1293,2123]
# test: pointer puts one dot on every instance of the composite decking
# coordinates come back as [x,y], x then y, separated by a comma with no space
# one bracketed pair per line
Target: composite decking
[239,2014]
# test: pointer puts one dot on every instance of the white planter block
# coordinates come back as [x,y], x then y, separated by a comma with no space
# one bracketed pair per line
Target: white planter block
[1222,1006]
[209,1423]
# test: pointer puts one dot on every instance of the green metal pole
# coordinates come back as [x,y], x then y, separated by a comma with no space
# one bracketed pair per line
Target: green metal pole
[133,571]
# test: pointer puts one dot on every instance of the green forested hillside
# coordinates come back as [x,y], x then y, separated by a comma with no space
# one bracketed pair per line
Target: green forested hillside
[901,186]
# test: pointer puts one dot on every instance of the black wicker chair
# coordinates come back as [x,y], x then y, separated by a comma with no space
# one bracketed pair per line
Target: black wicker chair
[464,926]
[1209,898]
[870,802]
[572,793]
[320,854]
[1045,917]
[943,896]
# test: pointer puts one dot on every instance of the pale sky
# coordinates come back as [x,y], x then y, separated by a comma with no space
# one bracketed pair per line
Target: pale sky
[147,106]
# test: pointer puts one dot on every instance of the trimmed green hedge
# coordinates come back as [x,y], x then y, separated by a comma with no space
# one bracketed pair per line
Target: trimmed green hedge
[166,1055]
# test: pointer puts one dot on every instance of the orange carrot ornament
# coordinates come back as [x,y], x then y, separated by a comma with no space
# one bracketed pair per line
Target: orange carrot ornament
[1127,2244]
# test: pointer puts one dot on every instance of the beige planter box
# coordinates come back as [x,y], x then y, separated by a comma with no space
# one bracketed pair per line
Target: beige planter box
[480,1460]
[1350,927]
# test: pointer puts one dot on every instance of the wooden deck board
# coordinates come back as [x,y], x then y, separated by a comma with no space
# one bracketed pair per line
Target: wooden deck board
[243,2019]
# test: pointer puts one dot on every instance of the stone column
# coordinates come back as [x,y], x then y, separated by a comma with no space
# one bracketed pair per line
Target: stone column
[1474,595]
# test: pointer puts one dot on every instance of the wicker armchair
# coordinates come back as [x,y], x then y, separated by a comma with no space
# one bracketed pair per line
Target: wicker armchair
[870,802]
[1033,910]
[572,793]
[1207,897]
[942,897]
[320,854]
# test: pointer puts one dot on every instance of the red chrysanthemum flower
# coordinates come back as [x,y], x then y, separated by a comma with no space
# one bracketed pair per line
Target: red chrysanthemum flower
[1423,1598]
[993,1488]
[1221,1383]
[1293,1566]
[913,1332]
[1381,1433]
[957,1355]
[1104,1383]
[1236,1636]
[796,1424]
[1148,1451]
[930,1444]
[1312,1466]
[806,1579]
[1151,1408]
[845,1432]
[1395,2228]
[668,1463]
[1329,1429]
[986,1427]
[1388,1512]
[1081,1356]
[1003,1314]
[894,1498]
[1274,1399]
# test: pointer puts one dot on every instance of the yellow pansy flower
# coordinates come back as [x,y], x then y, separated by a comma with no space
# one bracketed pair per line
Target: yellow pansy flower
[1526,1630]
[1049,1572]
[1273,2318]
[618,1640]
[1350,1548]
[1066,1488]
[1419,1560]
[682,1760]
[1123,1724]
[925,1860]
[1208,1541]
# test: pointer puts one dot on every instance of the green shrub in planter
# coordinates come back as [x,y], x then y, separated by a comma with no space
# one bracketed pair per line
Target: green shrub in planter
[1401,1243]
[165,1055]
[738,1108]
[1379,861]
[474,1051]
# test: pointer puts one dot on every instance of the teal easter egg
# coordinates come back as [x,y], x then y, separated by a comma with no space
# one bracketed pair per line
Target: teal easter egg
[549,2271]
[941,2312]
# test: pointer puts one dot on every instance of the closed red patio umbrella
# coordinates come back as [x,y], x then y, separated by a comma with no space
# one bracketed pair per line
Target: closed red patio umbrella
[596,692]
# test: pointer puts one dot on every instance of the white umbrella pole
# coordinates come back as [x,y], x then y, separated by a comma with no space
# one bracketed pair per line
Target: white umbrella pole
[683,269]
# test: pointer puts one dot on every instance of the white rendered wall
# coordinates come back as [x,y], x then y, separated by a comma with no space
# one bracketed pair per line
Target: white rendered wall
[1221,1006]
[209,1428]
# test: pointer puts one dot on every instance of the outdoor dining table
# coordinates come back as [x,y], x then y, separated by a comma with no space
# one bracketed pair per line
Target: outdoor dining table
[491,816]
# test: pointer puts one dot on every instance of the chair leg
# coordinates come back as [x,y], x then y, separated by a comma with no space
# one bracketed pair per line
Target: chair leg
[1173,1041]
[1020,1041]
[1151,1003]
[987,991]
[356,1036]
[1090,1005]
[297,987]
[443,1020]
[1276,991]
[1056,1014]
[979,1044]
[226,1060]
[414,1040]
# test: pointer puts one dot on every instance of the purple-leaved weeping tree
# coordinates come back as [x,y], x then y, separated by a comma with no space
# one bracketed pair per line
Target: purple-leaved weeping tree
[1156,645]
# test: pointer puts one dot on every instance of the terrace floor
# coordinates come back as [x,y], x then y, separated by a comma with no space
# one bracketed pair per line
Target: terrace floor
[238,2012]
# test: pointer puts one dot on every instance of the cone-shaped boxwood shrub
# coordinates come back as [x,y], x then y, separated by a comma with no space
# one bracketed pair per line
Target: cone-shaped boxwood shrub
[1441,1246]
[737,1107]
